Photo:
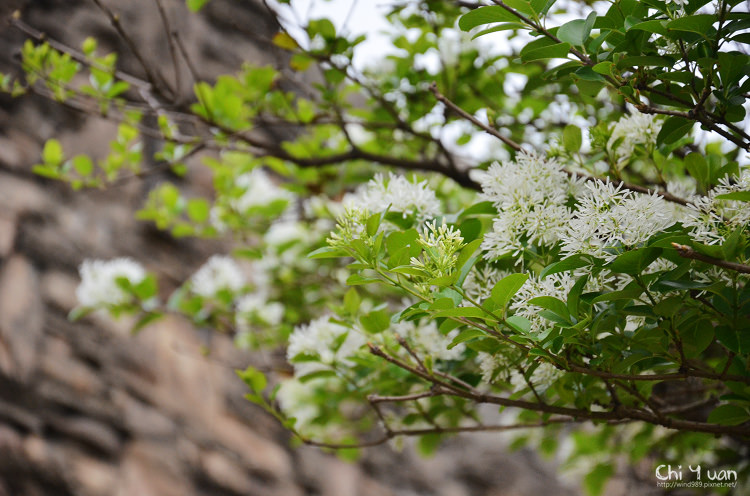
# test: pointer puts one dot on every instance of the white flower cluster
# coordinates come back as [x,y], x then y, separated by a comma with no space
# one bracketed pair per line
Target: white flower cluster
[257,305]
[259,190]
[427,340]
[530,195]
[327,342]
[495,365]
[609,217]
[217,274]
[556,285]
[99,286]
[543,376]
[712,219]
[631,130]
[398,193]
[297,400]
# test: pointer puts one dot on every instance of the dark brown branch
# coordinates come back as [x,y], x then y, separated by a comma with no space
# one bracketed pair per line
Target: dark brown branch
[390,434]
[687,252]
[619,414]
[659,377]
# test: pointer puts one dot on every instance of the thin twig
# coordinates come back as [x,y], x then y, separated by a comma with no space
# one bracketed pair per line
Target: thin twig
[172,47]
[467,116]
[687,252]
[153,76]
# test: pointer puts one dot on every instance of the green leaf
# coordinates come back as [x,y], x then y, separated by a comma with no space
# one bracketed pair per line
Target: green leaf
[145,320]
[566,264]
[506,288]
[728,415]
[254,378]
[552,304]
[327,252]
[595,480]
[673,129]
[555,51]
[376,322]
[466,260]
[352,301]
[481,208]
[196,5]
[198,209]
[52,154]
[500,27]
[485,15]
[83,165]
[654,26]
[519,324]
[285,41]
[574,32]
[358,280]
[635,261]
[572,138]
[629,293]
[318,374]
[697,167]
[428,444]
[464,336]
[471,312]
[79,312]
[743,196]
[700,24]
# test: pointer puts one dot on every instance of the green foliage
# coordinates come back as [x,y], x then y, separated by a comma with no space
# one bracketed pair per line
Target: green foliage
[592,282]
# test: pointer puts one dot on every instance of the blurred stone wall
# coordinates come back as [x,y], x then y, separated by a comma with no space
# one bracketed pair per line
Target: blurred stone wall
[86,408]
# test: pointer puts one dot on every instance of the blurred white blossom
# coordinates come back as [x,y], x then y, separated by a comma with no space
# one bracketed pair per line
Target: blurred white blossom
[99,281]
[256,305]
[427,340]
[543,376]
[258,190]
[631,130]
[217,274]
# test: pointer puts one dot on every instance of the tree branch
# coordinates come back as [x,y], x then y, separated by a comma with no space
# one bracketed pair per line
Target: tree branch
[687,252]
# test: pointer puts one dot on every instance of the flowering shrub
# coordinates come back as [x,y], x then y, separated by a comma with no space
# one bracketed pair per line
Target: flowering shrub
[591,281]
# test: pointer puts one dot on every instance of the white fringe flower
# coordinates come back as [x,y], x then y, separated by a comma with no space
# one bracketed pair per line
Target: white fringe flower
[711,220]
[609,217]
[325,342]
[530,195]
[398,193]
[99,281]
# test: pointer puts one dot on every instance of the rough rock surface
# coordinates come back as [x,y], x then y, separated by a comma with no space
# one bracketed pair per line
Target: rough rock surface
[86,408]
